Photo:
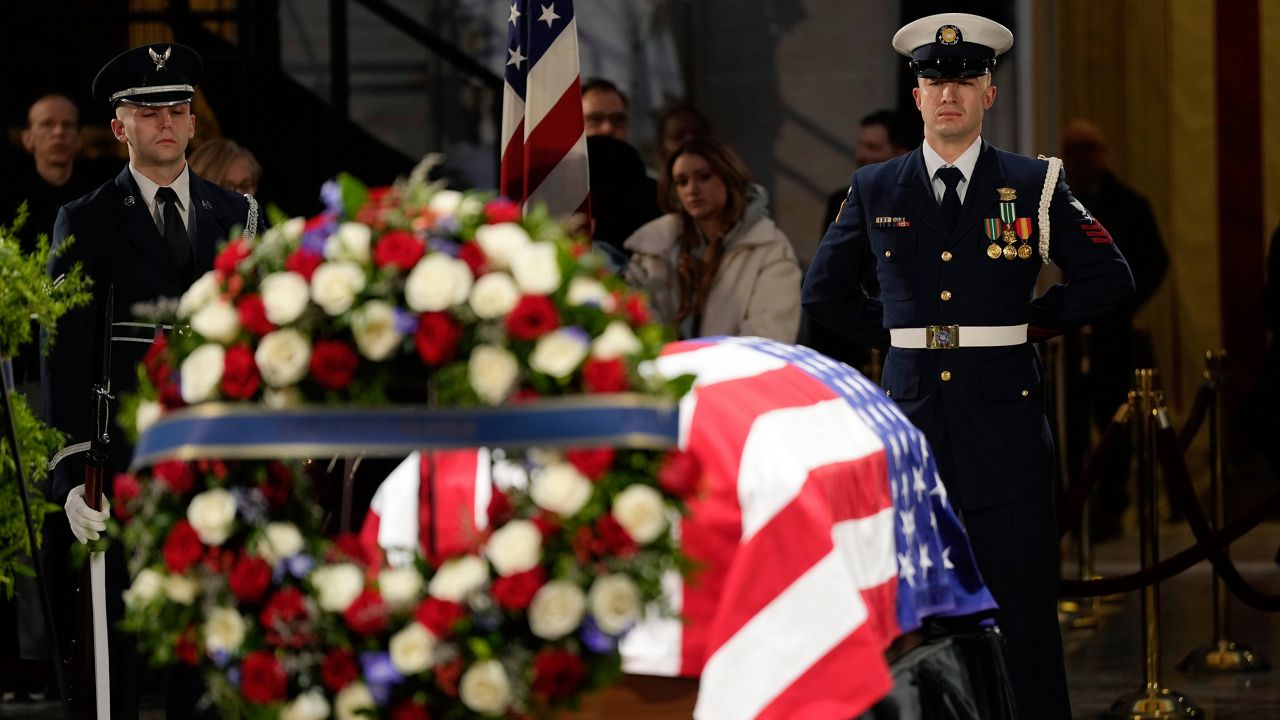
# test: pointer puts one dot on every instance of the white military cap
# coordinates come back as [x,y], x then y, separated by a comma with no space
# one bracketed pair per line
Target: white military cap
[952,45]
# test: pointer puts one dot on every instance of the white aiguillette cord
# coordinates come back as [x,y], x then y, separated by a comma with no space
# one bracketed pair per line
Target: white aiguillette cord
[1046,197]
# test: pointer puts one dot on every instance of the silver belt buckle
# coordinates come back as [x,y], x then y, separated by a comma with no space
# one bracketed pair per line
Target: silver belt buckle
[942,337]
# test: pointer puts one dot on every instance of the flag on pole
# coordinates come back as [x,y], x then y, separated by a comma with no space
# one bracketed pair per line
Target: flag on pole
[544,143]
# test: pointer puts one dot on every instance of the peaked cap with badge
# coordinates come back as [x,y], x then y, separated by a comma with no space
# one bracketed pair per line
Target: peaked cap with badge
[152,75]
[958,267]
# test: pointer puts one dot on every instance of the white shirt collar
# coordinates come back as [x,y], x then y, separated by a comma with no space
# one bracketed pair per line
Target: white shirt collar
[181,186]
[966,162]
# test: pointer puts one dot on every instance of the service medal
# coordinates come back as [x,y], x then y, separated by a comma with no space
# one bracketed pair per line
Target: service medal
[1024,252]
[1010,252]
[993,251]
[993,227]
[1023,227]
[1009,236]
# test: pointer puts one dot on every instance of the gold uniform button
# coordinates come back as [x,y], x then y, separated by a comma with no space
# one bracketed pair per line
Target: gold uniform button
[888,253]
[946,376]
[1025,393]
[946,295]
[946,256]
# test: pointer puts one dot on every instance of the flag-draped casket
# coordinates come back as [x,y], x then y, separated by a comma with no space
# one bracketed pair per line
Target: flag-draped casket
[821,533]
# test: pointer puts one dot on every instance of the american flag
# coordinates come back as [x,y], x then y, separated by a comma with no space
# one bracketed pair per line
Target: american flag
[544,144]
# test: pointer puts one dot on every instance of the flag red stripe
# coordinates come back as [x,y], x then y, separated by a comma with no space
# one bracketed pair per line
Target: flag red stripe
[513,165]
[840,685]
[554,135]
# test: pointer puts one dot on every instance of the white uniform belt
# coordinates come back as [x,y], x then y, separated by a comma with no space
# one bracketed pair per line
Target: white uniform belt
[947,337]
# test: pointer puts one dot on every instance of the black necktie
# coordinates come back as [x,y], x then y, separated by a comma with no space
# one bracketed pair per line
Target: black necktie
[175,232]
[950,176]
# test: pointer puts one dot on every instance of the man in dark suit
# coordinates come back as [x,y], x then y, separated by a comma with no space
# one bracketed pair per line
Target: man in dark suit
[147,234]
[957,229]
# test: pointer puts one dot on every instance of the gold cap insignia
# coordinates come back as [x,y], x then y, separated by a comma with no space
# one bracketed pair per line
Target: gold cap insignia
[949,35]
[159,59]
[1007,194]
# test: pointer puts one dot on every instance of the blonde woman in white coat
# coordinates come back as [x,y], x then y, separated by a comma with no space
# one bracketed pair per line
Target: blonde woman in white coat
[715,264]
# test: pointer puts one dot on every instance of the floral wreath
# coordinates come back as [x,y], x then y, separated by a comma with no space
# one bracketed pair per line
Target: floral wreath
[404,294]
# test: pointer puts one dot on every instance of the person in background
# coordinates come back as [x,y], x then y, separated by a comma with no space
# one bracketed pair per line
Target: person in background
[677,124]
[882,135]
[228,164]
[623,196]
[605,109]
[716,264]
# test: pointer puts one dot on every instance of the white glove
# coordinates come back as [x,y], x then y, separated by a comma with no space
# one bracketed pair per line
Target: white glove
[85,522]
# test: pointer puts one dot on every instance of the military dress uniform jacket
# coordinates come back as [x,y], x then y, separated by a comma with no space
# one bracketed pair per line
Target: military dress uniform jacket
[982,408]
[118,245]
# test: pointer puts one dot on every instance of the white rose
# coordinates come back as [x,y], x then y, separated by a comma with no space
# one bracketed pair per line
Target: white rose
[374,327]
[285,296]
[350,242]
[351,700]
[458,578]
[616,340]
[445,202]
[515,547]
[470,206]
[492,372]
[501,243]
[310,705]
[223,630]
[559,352]
[589,291]
[198,295]
[535,268]
[412,648]
[400,587]
[556,610]
[494,295]
[201,372]
[283,357]
[281,398]
[180,589]
[640,511]
[485,688]
[437,282]
[145,588]
[615,603]
[334,286]
[337,586]
[217,320]
[279,540]
[561,489]
[148,412]
[212,514]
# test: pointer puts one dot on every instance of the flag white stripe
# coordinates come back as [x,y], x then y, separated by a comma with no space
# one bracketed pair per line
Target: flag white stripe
[718,363]
[396,503]
[868,547]
[781,642]
[551,76]
[769,479]
[483,488]
[566,186]
[653,646]
[512,114]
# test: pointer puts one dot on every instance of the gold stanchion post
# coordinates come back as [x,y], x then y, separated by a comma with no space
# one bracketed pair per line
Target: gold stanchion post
[1153,701]
[1221,654]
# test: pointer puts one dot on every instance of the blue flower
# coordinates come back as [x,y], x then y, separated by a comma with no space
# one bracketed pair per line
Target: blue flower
[380,674]
[331,195]
[596,639]
[220,657]
[406,322]
[445,244]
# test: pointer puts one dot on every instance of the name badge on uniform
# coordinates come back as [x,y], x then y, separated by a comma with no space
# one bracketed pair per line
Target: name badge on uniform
[888,221]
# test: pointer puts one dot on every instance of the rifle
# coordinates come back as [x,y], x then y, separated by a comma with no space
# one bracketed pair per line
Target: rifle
[91,694]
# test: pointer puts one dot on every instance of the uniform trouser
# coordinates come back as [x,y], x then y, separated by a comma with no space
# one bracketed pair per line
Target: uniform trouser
[1016,547]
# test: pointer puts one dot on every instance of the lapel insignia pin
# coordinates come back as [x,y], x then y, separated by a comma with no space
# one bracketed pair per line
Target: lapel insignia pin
[206,204]
[159,59]
[128,201]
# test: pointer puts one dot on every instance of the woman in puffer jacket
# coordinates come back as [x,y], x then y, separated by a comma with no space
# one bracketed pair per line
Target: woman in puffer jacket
[715,264]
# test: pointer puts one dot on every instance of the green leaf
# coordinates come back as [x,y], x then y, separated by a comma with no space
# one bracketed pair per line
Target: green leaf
[354,195]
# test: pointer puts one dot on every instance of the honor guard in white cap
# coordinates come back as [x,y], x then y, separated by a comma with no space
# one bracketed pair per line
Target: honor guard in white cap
[144,236]
[960,230]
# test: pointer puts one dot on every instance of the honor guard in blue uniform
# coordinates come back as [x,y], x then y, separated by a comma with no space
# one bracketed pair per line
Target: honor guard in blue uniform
[961,230]
[144,236]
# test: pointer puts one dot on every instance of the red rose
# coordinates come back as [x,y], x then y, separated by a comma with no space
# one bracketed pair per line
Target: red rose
[523,395]
[253,315]
[681,474]
[500,510]
[304,262]
[240,378]
[175,475]
[501,210]
[231,255]
[250,577]
[185,648]
[333,363]
[638,310]
[410,710]
[612,538]
[156,361]
[285,618]
[592,462]
[546,524]
[262,678]
[278,484]
[235,284]
[532,317]
[447,676]
[367,614]
[339,669]
[439,616]
[182,547]
[557,673]
[436,338]
[171,395]
[398,248]
[126,490]
[215,467]
[604,376]
[473,255]
[378,195]
[515,592]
